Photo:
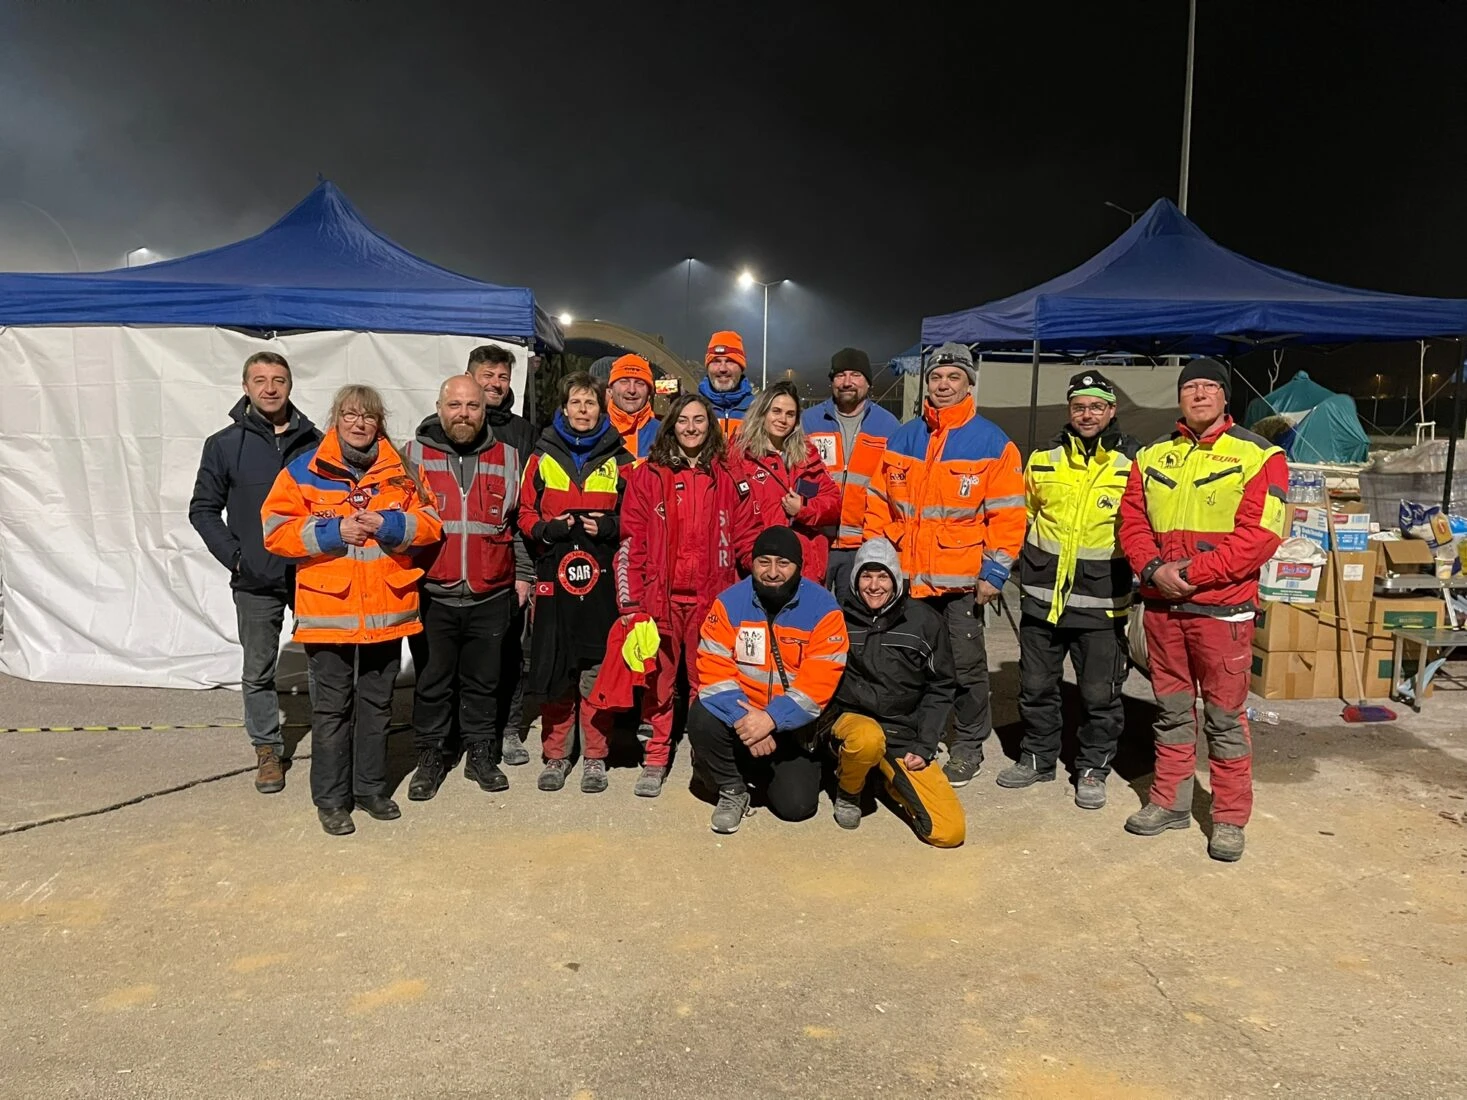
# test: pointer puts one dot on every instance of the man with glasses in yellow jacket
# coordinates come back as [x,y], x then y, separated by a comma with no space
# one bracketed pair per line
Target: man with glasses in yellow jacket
[1075,592]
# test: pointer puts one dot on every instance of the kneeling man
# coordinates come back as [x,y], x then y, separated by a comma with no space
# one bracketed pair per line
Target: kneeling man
[770,655]
[894,700]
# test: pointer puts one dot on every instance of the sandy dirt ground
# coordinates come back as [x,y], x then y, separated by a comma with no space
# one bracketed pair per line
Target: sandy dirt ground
[213,942]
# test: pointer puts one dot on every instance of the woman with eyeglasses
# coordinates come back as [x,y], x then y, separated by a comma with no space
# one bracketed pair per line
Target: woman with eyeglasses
[788,481]
[349,512]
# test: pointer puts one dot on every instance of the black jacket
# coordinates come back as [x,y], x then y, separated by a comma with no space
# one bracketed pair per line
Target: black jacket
[899,670]
[236,471]
[512,429]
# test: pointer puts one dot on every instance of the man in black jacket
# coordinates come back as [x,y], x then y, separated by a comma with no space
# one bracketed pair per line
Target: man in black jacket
[894,700]
[236,471]
[491,365]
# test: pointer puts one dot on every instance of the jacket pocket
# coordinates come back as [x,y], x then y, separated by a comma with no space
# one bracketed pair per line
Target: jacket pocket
[960,535]
[401,580]
[326,580]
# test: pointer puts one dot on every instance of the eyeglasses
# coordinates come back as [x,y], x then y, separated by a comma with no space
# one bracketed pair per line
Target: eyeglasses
[357,418]
[1088,410]
[1202,387]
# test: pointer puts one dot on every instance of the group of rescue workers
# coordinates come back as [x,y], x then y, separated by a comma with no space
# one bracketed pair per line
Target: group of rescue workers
[819,582]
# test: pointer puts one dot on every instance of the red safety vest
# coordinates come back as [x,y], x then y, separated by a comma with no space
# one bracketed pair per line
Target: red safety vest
[478,524]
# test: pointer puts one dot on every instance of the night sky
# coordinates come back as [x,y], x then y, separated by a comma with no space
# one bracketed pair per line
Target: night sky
[916,163]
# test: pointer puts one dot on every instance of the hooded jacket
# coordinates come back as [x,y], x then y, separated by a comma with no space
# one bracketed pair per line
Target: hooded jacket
[731,407]
[899,670]
[238,466]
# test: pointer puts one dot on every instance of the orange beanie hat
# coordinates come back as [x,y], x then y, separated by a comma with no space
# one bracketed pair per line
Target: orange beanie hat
[730,344]
[631,366]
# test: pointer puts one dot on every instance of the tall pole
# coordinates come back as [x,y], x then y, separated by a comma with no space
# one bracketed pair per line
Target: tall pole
[764,356]
[1187,108]
[688,305]
[59,228]
[1455,425]
[1033,400]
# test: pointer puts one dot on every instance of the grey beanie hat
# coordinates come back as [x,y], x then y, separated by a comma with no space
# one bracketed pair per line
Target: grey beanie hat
[951,355]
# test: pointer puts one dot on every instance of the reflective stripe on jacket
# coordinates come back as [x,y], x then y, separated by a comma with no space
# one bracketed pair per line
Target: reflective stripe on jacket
[1217,502]
[736,655]
[950,496]
[852,472]
[769,479]
[478,522]
[1073,571]
[350,594]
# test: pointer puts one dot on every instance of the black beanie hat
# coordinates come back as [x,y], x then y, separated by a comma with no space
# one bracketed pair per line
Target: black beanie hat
[781,542]
[851,359]
[1210,370]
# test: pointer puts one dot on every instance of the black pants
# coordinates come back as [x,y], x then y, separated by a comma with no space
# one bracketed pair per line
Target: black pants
[1101,662]
[973,713]
[838,571]
[460,678]
[512,671]
[790,776]
[353,706]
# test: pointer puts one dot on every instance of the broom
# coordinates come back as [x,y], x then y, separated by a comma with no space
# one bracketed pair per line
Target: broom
[1358,711]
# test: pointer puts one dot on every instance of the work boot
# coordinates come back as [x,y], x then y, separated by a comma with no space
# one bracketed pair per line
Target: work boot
[271,776]
[553,777]
[960,770]
[732,808]
[649,783]
[847,809]
[593,776]
[1226,843]
[379,806]
[1153,820]
[1090,790]
[514,752]
[1024,775]
[335,820]
[480,767]
[429,776]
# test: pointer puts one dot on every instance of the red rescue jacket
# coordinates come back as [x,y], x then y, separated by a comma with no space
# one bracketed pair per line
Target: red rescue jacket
[769,479]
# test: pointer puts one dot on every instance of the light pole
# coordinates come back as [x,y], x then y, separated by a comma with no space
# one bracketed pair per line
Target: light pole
[1187,108]
[746,280]
[1133,214]
[59,228]
[1375,409]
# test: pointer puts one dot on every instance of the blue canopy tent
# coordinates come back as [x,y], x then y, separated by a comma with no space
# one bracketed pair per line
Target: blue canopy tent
[1164,287]
[320,267]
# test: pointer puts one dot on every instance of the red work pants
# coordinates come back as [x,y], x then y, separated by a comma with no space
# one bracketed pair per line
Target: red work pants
[679,648]
[558,719]
[1191,654]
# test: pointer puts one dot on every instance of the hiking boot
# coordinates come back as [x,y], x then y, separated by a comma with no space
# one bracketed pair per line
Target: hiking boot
[1023,775]
[1153,820]
[271,776]
[514,752]
[335,820]
[1090,791]
[1226,843]
[960,770]
[553,777]
[480,767]
[593,776]
[429,776]
[649,783]
[847,809]
[732,808]
[379,806]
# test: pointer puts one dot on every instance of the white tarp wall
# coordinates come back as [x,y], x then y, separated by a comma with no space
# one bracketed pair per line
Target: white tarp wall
[101,428]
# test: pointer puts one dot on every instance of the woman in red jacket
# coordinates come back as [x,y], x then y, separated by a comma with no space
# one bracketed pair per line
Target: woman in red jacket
[789,483]
[687,528]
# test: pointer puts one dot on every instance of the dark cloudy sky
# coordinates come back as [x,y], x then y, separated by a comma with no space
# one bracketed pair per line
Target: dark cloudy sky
[913,163]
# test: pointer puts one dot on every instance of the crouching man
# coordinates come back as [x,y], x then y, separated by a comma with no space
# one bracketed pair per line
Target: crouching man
[894,700]
[769,658]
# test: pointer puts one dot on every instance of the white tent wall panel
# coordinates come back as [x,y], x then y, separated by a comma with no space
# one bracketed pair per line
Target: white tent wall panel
[104,580]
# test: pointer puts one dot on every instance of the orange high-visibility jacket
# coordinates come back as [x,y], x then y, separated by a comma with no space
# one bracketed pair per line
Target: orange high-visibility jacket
[950,496]
[741,652]
[347,595]
[852,472]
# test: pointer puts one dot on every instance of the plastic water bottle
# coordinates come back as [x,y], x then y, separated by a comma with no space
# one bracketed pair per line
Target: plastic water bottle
[1267,717]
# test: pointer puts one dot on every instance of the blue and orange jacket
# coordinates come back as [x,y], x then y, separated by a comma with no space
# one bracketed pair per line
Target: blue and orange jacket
[729,408]
[344,594]
[742,652]
[638,432]
[852,472]
[950,496]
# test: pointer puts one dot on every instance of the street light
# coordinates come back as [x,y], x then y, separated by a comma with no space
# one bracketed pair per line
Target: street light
[142,251]
[1134,214]
[746,280]
[565,318]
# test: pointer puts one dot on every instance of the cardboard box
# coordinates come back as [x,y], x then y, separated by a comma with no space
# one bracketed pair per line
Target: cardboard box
[1378,675]
[1289,581]
[1286,628]
[1357,577]
[1397,557]
[1389,613]
[1334,673]
[1352,527]
[1282,675]
[1332,627]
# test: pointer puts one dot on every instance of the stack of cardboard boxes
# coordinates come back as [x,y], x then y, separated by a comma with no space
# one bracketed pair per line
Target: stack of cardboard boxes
[1303,651]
